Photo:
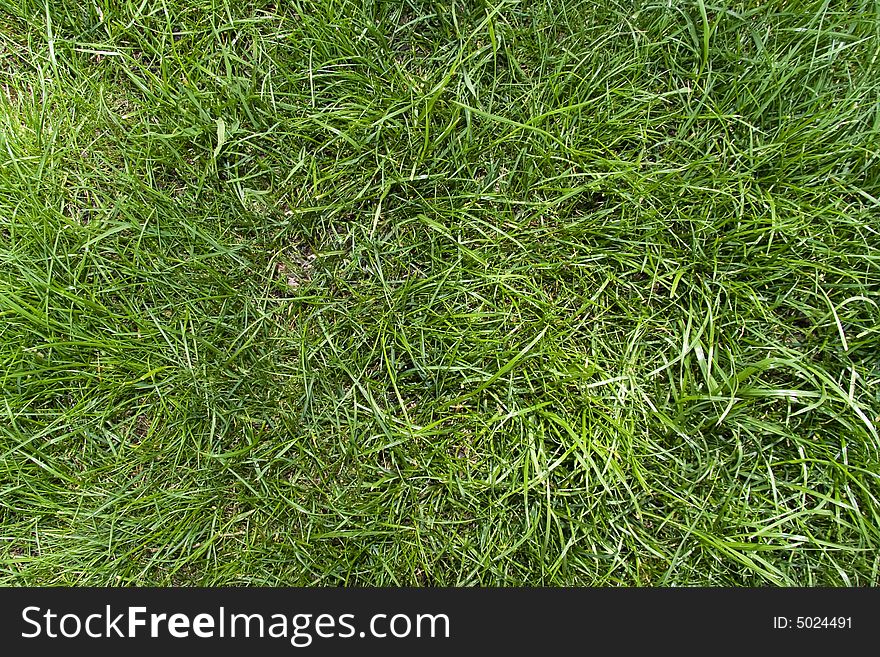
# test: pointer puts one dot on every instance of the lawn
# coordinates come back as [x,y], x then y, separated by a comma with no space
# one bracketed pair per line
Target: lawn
[439,293]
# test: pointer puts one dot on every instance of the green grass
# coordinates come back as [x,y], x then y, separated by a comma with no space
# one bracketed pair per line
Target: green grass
[439,293]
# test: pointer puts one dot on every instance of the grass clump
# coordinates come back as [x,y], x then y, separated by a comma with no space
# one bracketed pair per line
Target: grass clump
[439,293]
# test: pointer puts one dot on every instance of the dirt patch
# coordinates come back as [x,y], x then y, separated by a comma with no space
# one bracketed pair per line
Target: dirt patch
[294,266]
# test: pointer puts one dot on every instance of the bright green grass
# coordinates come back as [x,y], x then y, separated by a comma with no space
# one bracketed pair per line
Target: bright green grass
[438,293]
